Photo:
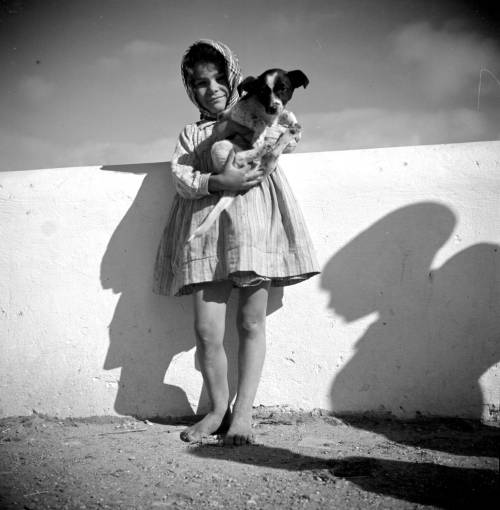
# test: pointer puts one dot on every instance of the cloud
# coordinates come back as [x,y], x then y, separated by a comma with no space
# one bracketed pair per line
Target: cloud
[108,63]
[36,89]
[440,74]
[447,61]
[347,129]
[25,152]
[137,52]
[134,59]
[101,153]
[359,128]
[142,48]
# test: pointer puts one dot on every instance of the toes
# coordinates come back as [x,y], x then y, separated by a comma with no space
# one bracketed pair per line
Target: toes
[185,436]
[228,440]
[231,440]
[188,436]
[239,439]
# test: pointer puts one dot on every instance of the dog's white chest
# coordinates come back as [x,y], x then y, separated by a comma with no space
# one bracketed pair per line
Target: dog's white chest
[251,115]
[245,114]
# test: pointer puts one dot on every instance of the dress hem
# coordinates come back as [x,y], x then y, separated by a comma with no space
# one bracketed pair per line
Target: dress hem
[277,281]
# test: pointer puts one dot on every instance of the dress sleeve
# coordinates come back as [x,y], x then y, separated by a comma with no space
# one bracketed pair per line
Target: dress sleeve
[189,182]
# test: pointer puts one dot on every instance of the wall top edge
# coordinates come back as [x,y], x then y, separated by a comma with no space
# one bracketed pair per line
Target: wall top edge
[488,144]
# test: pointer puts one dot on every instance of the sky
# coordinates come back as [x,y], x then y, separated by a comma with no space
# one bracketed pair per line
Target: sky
[98,82]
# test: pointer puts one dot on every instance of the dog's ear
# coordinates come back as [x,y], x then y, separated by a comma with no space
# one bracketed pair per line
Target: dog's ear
[247,85]
[298,79]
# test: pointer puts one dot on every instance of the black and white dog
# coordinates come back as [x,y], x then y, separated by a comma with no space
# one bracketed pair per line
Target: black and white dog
[261,108]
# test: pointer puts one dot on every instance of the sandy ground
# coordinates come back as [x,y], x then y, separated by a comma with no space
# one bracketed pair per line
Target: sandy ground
[300,461]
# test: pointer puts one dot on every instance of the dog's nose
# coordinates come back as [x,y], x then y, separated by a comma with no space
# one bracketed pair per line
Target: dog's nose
[272,109]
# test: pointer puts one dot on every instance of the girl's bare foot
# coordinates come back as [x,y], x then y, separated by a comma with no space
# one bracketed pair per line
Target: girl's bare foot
[239,433]
[211,423]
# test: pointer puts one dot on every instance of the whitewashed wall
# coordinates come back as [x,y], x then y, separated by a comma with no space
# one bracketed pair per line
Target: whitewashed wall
[404,318]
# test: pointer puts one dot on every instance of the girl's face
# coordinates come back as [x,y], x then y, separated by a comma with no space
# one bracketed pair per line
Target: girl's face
[210,87]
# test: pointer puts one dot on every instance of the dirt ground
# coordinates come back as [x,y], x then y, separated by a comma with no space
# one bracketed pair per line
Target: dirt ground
[301,461]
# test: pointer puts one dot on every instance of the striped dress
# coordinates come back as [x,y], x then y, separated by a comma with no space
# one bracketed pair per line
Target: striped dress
[261,236]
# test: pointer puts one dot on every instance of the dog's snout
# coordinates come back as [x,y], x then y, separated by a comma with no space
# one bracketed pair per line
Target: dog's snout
[272,109]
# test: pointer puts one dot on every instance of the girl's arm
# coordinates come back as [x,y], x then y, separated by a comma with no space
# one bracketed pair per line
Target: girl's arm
[189,182]
[193,184]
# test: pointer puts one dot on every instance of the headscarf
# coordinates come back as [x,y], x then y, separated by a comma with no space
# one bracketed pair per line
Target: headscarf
[232,71]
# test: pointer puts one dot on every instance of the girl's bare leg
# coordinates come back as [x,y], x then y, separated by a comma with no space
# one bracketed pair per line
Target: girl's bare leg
[252,349]
[210,302]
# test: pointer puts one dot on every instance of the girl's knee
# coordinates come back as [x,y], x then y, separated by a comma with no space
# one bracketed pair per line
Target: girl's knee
[208,333]
[251,325]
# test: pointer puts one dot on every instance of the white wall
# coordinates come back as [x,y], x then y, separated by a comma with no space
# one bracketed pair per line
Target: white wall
[403,319]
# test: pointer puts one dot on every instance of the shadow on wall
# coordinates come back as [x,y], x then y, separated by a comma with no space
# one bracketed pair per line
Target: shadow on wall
[437,330]
[147,331]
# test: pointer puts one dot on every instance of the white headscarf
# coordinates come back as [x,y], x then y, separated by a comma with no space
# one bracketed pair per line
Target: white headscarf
[232,71]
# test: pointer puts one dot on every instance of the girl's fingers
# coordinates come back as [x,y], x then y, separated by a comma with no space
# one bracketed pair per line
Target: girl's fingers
[256,175]
[251,184]
[254,180]
[230,158]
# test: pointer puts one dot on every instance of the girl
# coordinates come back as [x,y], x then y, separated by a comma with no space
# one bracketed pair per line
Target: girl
[260,241]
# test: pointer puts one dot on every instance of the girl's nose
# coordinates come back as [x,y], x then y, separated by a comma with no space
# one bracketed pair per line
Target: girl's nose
[214,85]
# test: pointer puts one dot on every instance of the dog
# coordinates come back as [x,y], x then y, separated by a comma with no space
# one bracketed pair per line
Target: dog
[261,108]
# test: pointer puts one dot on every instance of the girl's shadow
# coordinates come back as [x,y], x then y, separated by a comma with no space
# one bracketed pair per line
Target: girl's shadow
[436,331]
[424,483]
[147,330]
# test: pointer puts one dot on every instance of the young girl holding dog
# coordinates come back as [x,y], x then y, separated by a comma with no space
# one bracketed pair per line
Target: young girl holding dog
[258,242]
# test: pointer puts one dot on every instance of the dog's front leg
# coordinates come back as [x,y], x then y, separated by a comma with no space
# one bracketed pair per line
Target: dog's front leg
[284,139]
[269,159]
[251,155]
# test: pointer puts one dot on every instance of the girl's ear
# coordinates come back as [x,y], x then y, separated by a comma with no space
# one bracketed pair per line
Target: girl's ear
[298,79]
[247,85]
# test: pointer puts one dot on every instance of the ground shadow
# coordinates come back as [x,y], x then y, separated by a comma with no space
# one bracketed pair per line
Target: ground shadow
[437,329]
[423,483]
[147,331]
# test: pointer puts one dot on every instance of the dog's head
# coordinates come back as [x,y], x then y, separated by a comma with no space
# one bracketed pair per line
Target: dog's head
[273,88]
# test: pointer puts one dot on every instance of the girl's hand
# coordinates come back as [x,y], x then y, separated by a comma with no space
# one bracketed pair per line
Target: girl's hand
[234,177]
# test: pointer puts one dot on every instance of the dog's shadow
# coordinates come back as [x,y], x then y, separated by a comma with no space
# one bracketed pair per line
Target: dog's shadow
[147,331]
